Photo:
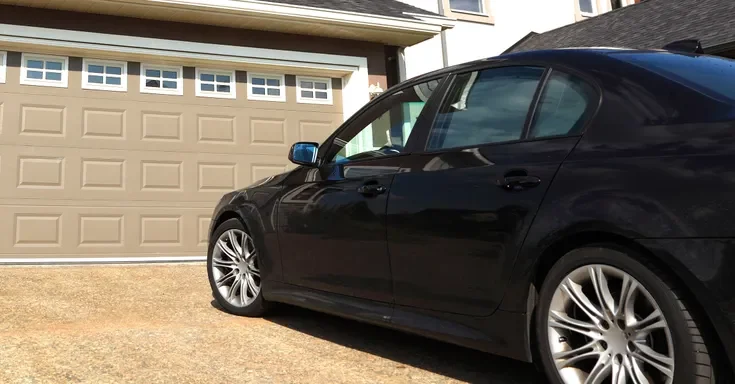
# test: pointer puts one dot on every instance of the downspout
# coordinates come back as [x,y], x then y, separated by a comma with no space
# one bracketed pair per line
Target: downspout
[401,64]
[443,34]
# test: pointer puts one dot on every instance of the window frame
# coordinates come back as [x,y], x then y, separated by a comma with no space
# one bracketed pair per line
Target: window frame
[25,80]
[593,106]
[3,66]
[305,100]
[483,10]
[123,87]
[267,76]
[595,9]
[484,17]
[179,91]
[214,94]
[419,133]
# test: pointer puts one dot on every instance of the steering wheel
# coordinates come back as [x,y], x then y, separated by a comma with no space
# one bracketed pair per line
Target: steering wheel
[388,149]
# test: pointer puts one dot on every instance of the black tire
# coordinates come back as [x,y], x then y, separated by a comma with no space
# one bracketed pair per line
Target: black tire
[255,309]
[691,356]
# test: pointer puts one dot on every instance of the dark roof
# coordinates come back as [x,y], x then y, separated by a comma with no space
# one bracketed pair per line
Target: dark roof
[393,8]
[648,25]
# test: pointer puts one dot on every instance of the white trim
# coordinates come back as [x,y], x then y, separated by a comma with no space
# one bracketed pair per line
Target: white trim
[221,95]
[3,66]
[483,11]
[162,91]
[105,87]
[352,69]
[303,100]
[24,80]
[305,13]
[267,76]
[99,260]
[588,14]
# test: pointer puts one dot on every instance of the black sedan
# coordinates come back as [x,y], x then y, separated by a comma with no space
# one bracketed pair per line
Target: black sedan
[572,207]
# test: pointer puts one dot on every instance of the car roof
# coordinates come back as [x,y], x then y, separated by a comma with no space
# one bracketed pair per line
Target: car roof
[569,56]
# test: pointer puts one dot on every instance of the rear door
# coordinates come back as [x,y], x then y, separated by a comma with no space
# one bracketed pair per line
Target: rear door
[459,212]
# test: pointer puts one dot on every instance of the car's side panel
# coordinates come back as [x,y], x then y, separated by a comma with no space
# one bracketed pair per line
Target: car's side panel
[453,228]
[501,334]
[256,207]
[331,235]
[666,182]
[708,266]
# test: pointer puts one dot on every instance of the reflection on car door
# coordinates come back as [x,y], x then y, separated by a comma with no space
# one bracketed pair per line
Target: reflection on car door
[459,212]
[332,218]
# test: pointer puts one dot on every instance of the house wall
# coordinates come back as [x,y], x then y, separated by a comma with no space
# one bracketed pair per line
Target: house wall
[509,20]
[48,18]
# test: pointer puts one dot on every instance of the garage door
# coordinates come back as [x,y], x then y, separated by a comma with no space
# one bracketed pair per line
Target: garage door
[110,159]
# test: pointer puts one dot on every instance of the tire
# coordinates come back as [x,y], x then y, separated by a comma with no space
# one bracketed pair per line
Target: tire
[221,263]
[678,338]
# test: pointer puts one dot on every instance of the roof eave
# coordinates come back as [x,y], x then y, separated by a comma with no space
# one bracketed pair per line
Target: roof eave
[274,17]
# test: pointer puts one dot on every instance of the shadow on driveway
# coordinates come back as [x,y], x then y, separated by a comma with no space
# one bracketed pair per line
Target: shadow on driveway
[444,359]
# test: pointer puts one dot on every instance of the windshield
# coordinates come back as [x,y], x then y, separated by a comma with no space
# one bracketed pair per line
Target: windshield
[713,76]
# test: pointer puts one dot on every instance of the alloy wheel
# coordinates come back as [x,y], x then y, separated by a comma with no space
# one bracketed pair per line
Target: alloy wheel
[235,268]
[605,327]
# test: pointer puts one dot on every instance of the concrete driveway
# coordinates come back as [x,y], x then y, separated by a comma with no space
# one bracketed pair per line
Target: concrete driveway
[158,324]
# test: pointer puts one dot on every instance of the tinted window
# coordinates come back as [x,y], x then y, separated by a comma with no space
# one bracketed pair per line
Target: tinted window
[713,76]
[483,107]
[561,110]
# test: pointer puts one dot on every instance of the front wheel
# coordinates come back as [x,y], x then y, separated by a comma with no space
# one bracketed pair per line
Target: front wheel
[604,317]
[233,267]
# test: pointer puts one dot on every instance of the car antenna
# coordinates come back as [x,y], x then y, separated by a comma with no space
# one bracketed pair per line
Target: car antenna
[685,46]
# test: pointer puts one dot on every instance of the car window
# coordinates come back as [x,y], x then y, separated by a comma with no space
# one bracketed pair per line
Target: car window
[561,109]
[487,106]
[385,128]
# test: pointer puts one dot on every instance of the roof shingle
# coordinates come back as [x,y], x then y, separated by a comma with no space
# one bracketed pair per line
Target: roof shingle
[393,8]
[650,24]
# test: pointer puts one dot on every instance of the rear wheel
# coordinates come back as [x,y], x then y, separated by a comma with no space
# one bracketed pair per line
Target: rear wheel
[604,317]
[234,270]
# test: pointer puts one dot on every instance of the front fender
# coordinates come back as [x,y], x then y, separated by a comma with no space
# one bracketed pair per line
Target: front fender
[256,209]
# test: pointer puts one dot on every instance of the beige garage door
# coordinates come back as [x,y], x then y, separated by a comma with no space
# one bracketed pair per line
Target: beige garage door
[95,173]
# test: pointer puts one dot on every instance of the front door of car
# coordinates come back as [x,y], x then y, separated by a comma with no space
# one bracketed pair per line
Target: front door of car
[458,214]
[331,219]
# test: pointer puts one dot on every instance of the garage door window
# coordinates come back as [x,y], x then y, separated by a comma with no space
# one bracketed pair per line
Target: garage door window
[3,66]
[49,71]
[215,83]
[314,90]
[162,80]
[266,87]
[105,75]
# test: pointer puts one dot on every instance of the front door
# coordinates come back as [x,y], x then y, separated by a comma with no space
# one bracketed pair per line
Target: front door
[331,219]
[459,214]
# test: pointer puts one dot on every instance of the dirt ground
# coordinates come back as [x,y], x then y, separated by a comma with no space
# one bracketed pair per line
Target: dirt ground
[158,324]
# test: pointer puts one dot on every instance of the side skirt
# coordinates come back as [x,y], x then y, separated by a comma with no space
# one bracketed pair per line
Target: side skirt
[503,333]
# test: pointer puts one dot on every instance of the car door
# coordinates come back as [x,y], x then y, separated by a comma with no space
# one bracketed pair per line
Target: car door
[458,214]
[331,219]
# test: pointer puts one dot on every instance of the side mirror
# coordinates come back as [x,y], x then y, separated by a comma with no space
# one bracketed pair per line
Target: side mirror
[303,153]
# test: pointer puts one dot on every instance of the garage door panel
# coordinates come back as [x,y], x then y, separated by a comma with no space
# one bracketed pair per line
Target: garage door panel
[54,173]
[102,174]
[163,128]
[68,231]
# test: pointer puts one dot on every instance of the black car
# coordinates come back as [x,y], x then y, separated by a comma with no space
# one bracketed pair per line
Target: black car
[571,207]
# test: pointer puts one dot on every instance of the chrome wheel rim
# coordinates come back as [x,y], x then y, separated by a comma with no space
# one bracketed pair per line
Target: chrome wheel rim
[605,327]
[235,268]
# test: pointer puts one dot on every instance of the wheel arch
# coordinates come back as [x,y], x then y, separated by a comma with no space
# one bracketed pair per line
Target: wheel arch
[225,215]
[675,272]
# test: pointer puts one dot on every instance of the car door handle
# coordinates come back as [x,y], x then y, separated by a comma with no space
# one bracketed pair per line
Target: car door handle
[518,181]
[372,189]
